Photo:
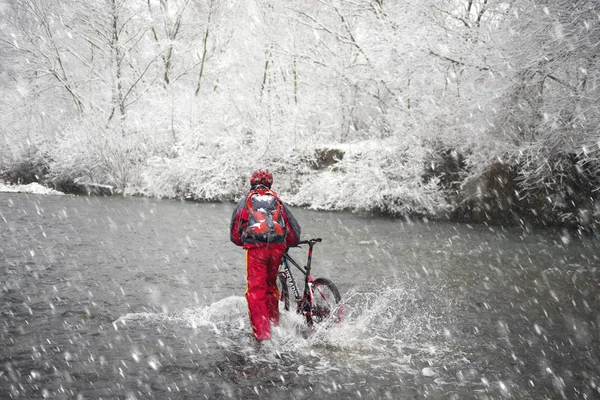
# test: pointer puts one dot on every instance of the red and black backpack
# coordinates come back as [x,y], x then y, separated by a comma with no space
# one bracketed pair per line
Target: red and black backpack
[265,217]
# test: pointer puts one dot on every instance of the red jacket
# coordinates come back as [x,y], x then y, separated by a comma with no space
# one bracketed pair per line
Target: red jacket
[239,220]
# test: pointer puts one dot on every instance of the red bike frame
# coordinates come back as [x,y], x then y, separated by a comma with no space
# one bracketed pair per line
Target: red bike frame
[306,301]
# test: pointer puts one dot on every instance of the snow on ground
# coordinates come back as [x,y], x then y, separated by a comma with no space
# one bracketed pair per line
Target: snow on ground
[34,188]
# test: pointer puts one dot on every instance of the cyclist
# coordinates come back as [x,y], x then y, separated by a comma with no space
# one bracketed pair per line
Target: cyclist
[265,227]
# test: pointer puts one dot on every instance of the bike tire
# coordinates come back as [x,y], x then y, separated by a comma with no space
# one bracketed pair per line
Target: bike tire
[284,292]
[326,296]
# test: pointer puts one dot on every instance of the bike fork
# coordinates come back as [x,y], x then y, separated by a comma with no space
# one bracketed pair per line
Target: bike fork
[309,300]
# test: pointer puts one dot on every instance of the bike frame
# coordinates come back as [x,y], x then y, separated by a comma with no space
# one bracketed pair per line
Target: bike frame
[305,301]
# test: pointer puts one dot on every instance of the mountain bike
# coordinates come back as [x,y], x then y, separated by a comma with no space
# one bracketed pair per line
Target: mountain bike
[318,300]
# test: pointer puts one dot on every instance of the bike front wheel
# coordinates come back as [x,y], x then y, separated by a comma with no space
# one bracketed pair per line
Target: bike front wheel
[326,296]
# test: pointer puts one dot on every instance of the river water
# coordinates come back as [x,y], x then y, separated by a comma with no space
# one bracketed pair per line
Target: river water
[132,298]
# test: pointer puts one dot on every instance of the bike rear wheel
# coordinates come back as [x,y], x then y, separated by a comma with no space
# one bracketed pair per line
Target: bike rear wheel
[284,292]
[326,295]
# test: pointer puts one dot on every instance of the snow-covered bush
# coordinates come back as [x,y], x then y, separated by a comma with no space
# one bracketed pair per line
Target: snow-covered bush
[386,178]
[28,164]
[90,154]
[193,176]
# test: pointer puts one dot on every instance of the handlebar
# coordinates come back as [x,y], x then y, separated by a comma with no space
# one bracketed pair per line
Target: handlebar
[310,242]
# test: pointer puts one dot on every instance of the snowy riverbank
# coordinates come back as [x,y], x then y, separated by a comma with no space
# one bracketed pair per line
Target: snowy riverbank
[34,188]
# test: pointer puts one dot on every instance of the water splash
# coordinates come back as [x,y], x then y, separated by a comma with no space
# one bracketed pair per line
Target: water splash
[384,329]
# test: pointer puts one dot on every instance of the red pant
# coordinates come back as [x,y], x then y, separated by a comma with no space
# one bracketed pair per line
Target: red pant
[262,294]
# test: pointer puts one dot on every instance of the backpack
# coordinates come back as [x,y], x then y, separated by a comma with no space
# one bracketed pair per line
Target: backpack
[265,217]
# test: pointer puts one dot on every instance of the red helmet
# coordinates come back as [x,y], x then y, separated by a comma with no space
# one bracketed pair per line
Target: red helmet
[262,177]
